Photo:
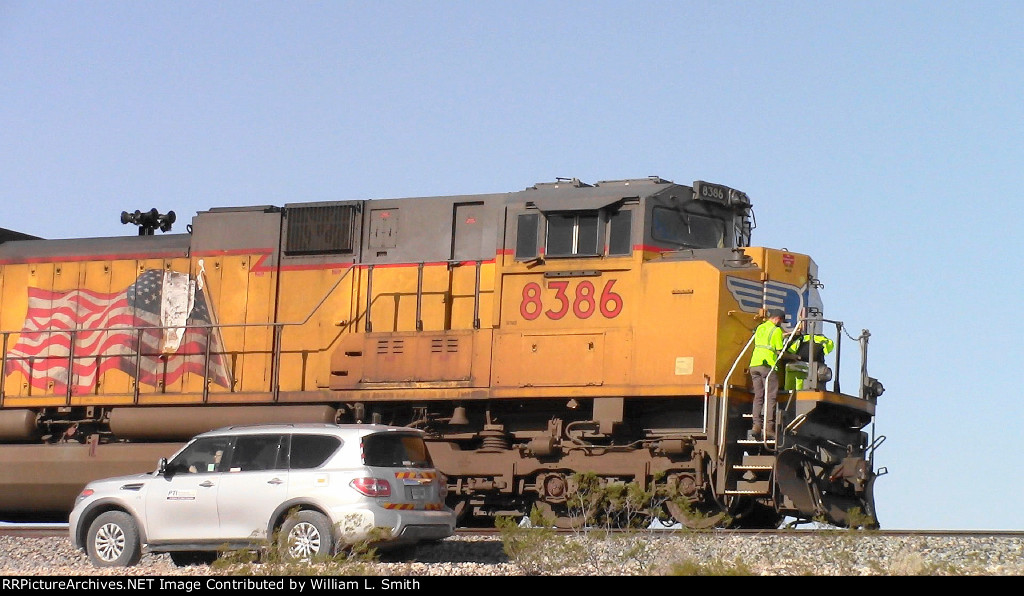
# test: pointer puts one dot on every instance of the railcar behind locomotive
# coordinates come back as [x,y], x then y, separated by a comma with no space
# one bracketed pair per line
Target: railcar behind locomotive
[565,328]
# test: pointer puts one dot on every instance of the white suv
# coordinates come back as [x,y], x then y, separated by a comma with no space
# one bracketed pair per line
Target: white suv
[315,487]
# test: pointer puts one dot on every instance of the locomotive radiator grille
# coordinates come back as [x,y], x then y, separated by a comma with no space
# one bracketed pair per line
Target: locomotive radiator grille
[320,229]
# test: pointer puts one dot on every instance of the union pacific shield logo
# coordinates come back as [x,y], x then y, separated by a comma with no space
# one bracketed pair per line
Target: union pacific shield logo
[752,296]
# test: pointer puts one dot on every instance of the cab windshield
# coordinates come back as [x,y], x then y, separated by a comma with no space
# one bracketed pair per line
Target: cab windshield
[687,230]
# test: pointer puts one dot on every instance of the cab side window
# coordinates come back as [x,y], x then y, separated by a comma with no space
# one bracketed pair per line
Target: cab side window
[620,225]
[257,452]
[526,236]
[204,456]
[574,234]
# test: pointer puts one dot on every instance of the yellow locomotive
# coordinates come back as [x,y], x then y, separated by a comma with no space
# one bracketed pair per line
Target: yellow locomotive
[564,328]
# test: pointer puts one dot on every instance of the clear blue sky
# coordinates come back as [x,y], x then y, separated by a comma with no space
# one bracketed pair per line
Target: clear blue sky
[885,139]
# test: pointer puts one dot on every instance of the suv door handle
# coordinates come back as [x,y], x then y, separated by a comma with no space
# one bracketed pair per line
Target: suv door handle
[275,481]
[206,484]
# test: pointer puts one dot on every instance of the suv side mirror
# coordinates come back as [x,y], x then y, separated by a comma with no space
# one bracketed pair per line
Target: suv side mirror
[161,466]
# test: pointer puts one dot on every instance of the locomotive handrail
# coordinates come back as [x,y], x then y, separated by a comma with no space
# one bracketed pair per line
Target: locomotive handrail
[196,326]
[3,369]
[419,296]
[451,263]
[322,300]
[796,423]
[723,413]
[138,331]
[138,368]
[724,410]
[276,326]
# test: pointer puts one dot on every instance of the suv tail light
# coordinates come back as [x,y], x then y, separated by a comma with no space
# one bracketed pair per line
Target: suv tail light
[372,487]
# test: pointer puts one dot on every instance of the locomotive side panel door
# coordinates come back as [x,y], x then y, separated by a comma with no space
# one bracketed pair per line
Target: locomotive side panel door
[473,239]
[14,303]
[41,353]
[235,260]
[468,227]
[244,312]
[97,277]
[181,347]
[151,371]
[566,310]
[318,291]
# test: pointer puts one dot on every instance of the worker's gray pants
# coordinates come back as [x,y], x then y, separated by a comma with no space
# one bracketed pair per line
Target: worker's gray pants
[765,384]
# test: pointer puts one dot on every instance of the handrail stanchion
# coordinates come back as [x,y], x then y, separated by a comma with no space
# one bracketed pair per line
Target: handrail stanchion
[71,365]
[3,367]
[206,365]
[419,297]
[275,374]
[476,297]
[368,326]
[839,351]
[723,414]
[138,364]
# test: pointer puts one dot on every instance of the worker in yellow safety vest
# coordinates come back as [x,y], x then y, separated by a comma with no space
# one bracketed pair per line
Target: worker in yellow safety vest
[768,346]
[804,346]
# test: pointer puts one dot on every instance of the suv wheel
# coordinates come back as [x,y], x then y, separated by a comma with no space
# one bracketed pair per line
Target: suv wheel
[306,535]
[113,540]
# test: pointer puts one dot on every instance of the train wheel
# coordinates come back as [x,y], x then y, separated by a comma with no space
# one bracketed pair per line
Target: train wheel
[694,518]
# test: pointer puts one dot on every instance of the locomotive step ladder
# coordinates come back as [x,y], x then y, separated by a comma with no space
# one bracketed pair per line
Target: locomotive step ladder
[769,443]
[757,471]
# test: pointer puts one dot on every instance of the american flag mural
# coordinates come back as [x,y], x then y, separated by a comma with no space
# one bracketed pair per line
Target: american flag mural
[112,332]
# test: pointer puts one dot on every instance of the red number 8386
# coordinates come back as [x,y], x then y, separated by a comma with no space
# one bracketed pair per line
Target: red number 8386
[584,300]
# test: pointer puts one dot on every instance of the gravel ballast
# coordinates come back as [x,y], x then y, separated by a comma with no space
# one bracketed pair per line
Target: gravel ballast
[661,553]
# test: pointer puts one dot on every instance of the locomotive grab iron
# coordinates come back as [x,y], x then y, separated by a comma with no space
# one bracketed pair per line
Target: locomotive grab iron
[564,328]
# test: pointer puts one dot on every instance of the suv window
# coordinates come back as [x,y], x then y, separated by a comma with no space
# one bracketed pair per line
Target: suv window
[204,456]
[395,450]
[257,452]
[311,451]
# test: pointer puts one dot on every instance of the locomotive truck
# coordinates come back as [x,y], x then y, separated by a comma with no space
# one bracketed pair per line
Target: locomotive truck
[566,328]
